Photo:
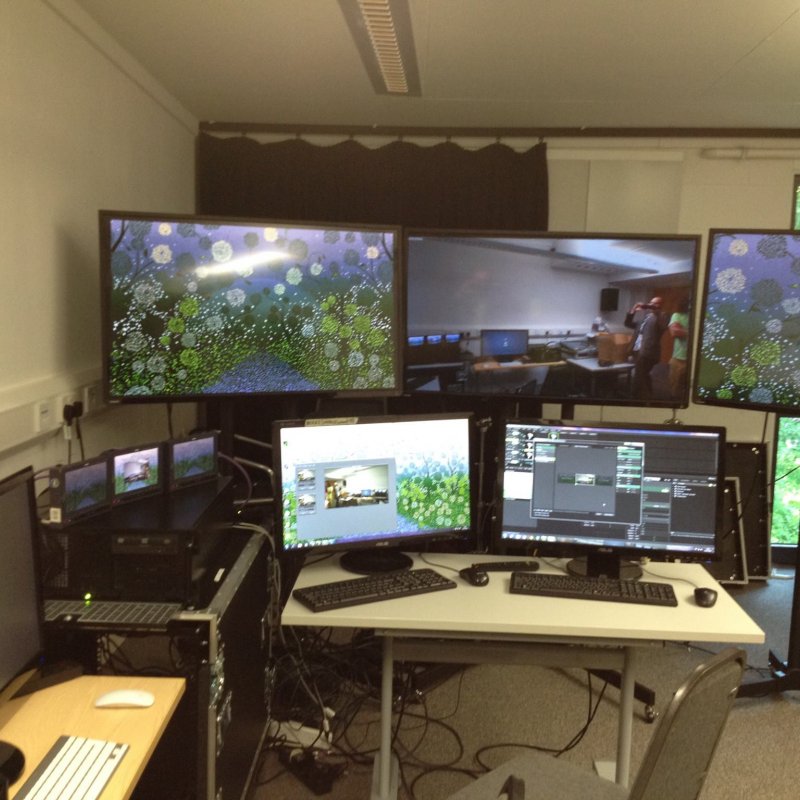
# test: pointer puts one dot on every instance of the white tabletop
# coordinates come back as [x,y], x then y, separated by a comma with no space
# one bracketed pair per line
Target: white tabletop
[492,612]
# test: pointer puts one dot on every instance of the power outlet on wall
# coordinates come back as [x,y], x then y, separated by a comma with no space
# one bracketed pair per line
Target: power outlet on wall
[92,398]
[44,415]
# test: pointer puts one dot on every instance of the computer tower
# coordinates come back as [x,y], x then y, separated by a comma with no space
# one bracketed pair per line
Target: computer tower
[158,548]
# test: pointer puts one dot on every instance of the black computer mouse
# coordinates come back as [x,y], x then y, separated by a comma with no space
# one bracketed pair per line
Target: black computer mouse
[705,597]
[474,577]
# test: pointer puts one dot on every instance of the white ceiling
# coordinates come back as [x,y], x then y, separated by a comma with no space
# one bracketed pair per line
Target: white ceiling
[482,63]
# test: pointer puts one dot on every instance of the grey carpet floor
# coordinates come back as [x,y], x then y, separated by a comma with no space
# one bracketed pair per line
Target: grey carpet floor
[484,715]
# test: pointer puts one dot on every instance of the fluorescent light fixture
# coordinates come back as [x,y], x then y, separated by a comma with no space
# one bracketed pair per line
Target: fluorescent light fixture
[381,30]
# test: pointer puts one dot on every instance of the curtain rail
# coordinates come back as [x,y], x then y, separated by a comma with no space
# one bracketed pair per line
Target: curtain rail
[497,133]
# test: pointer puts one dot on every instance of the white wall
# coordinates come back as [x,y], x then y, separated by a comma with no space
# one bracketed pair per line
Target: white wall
[82,127]
[674,186]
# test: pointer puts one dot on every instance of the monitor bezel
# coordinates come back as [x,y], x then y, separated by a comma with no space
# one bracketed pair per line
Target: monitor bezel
[105,218]
[568,550]
[563,396]
[417,542]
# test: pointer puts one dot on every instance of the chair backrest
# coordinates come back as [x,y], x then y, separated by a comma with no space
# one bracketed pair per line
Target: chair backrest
[679,754]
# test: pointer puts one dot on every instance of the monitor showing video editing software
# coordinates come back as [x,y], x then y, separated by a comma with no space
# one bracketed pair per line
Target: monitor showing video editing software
[371,485]
[609,492]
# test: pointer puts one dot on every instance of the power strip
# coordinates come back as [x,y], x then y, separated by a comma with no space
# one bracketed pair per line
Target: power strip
[293,734]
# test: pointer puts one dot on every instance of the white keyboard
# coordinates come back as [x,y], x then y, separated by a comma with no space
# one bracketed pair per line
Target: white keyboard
[73,769]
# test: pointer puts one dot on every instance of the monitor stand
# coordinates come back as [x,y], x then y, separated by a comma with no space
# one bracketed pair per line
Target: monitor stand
[373,560]
[604,565]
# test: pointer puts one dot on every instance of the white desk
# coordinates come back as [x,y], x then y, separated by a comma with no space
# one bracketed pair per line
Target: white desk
[489,625]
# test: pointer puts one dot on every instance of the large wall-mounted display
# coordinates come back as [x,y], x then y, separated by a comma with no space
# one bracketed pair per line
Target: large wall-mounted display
[547,316]
[749,353]
[204,306]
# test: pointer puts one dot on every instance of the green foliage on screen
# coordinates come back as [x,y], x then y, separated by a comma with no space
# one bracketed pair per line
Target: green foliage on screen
[786,493]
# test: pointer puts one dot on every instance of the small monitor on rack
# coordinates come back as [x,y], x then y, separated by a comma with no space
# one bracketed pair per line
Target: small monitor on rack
[604,492]
[504,345]
[136,471]
[79,489]
[373,485]
[192,459]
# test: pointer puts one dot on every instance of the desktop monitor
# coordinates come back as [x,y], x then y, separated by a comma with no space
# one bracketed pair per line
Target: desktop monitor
[373,485]
[504,345]
[196,307]
[750,321]
[562,299]
[21,633]
[605,493]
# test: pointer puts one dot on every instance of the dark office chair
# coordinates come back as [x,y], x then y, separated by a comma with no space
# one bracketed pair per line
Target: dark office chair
[674,766]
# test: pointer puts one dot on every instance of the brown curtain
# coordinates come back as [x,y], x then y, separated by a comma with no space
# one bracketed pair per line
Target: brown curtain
[441,186]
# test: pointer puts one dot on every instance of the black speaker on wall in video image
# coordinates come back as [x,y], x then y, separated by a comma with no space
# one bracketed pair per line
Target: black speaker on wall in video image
[609,299]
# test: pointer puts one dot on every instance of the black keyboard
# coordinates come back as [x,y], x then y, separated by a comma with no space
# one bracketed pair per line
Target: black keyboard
[371,588]
[615,591]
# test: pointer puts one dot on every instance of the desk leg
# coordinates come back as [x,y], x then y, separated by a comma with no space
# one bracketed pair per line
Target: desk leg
[385,777]
[625,734]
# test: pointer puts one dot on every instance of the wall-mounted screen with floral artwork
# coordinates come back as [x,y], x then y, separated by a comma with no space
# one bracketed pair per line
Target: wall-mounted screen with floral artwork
[749,353]
[208,306]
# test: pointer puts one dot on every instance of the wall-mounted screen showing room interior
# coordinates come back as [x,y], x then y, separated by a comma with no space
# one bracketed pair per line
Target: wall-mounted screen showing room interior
[136,471]
[360,484]
[206,306]
[545,315]
[749,345]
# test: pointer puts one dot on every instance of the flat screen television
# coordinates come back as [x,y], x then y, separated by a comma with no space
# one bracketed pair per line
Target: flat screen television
[373,485]
[567,295]
[21,631]
[749,344]
[610,494]
[196,307]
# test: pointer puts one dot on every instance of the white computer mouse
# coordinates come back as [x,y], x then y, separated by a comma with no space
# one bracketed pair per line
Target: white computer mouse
[125,698]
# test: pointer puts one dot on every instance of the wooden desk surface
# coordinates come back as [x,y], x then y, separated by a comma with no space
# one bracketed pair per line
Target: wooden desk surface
[35,721]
